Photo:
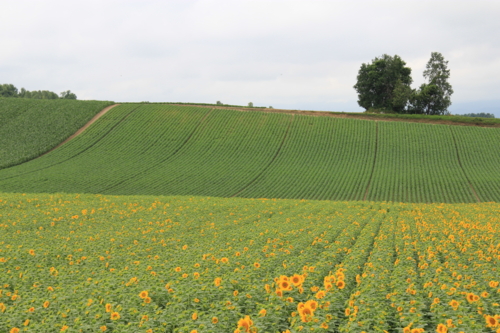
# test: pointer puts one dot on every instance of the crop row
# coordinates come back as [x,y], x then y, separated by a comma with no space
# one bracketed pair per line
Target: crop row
[418,163]
[88,263]
[180,150]
[29,128]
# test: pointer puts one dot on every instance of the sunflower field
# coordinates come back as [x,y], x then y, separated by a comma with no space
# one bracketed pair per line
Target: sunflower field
[99,263]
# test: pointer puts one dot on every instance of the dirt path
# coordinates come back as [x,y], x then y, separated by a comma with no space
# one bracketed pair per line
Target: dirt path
[344,115]
[91,121]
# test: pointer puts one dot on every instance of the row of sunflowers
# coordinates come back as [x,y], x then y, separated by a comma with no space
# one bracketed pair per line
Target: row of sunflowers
[94,263]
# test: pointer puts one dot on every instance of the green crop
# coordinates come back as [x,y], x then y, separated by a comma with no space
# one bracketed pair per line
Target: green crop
[29,128]
[187,150]
[92,263]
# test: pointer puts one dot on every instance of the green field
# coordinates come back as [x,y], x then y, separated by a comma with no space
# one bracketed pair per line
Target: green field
[187,150]
[31,127]
[88,263]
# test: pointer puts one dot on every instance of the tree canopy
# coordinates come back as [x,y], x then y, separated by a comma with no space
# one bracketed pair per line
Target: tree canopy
[9,90]
[384,85]
[376,83]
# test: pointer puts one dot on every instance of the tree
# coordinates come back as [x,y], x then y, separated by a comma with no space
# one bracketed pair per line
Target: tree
[67,95]
[250,105]
[8,90]
[428,100]
[434,97]
[377,82]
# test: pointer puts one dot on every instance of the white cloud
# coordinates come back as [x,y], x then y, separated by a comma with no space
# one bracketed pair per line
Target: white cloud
[297,54]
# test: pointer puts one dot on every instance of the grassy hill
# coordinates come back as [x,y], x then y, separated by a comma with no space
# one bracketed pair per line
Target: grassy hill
[187,150]
[31,127]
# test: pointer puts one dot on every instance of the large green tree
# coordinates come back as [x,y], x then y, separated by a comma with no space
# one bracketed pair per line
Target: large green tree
[433,97]
[384,84]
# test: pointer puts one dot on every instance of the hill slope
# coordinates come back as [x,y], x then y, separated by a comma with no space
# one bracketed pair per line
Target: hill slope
[186,150]
[30,127]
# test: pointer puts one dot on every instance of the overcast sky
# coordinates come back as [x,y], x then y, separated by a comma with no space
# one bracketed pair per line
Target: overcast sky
[286,54]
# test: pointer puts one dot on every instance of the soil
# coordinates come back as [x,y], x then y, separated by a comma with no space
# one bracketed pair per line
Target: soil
[91,121]
[344,115]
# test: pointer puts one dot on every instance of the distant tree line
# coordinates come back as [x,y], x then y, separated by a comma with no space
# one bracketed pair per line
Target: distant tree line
[9,90]
[478,115]
[384,86]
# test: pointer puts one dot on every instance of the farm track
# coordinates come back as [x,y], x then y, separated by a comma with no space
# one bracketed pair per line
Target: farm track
[80,131]
[347,116]
[77,154]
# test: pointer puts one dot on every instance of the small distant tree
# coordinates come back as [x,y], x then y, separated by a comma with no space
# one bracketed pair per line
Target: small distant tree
[250,105]
[478,115]
[67,95]
[8,90]
[219,103]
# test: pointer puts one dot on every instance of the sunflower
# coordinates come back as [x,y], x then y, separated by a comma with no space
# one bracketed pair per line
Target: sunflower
[245,323]
[14,330]
[297,280]
[256,265]
[32,252]
[312,304]
[262,313]
[285,285]
[194,316]
[215,320]
[115,316]
[306,314]
[320,294]
[441,328]
[454,304]
[46,304]
[470,297]
[491,321]
[143,294]
[108,307]
[340,284]
[217,281]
